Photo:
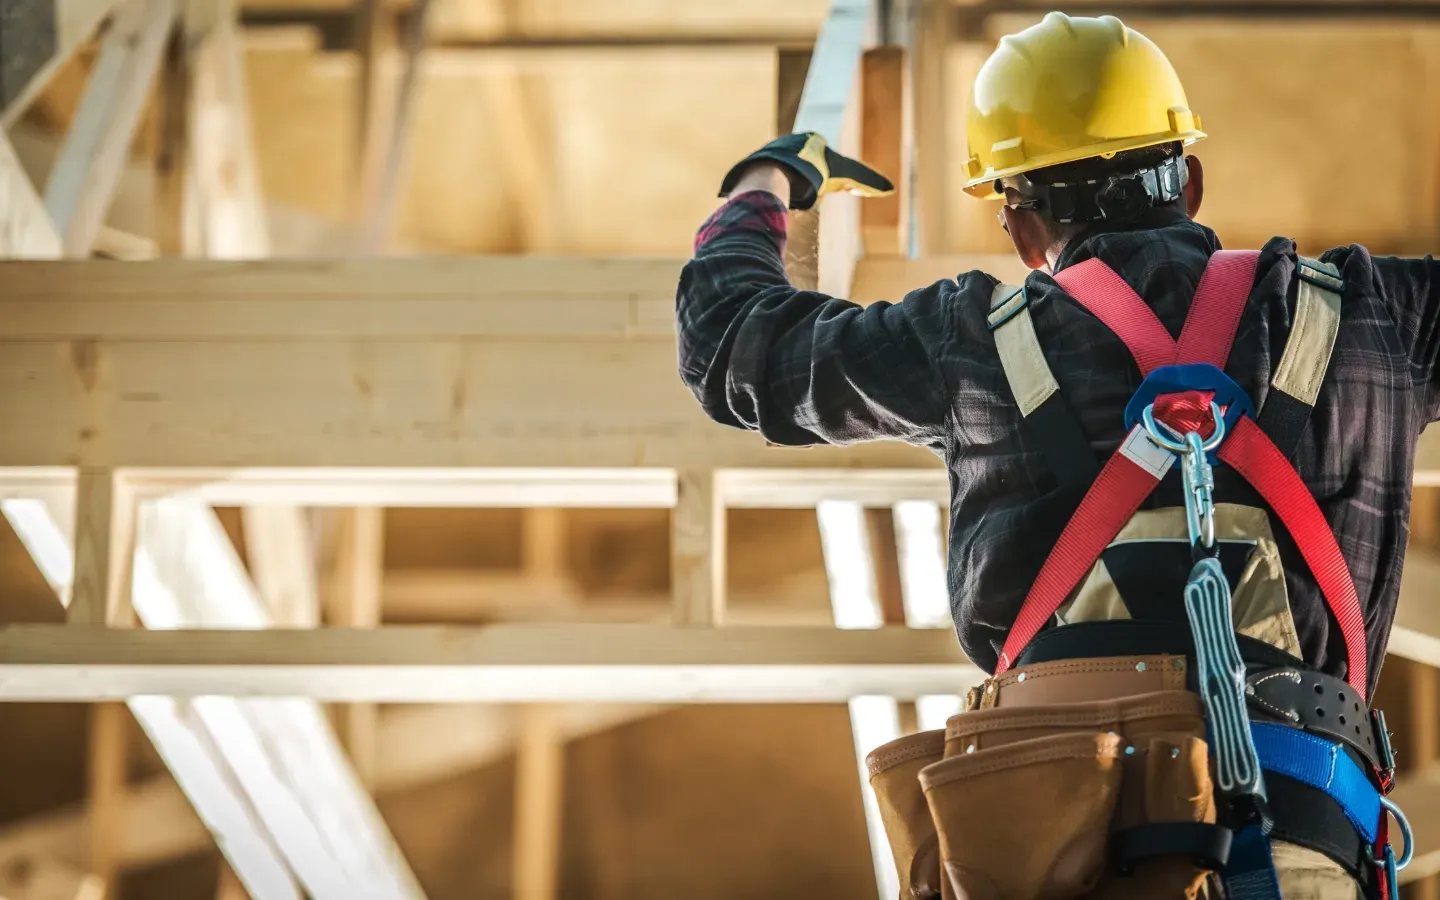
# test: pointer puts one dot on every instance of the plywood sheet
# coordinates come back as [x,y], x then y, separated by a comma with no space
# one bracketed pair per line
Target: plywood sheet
[1320,130]
[604,151]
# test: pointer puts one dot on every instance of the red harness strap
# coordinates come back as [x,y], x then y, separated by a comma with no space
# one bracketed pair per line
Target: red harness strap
[1134,471]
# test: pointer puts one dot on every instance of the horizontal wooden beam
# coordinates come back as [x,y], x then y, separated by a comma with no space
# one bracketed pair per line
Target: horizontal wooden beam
[497,663]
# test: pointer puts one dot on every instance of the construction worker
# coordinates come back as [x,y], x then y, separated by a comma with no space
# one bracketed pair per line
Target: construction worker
[1180,483]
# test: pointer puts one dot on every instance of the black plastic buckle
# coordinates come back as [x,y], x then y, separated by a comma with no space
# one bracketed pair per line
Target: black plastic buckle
[1387,752]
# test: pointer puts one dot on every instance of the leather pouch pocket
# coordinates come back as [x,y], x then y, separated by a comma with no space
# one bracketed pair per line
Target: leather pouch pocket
[1029,820]
[894,770]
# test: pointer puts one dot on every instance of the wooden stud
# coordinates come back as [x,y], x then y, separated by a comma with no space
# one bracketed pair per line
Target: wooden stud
[355,603]
[82,182]
[934,42]
[539,803]
[105,777]
[279,548]
[375,38]
[887,139]
[697,549]
[380,185]
[231,208]
[104,549]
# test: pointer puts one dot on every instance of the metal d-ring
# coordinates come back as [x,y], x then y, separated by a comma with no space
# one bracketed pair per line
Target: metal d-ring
[1391,807]
[1173,442]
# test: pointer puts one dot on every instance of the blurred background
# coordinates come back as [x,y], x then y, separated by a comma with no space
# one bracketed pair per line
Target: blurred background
[602,128]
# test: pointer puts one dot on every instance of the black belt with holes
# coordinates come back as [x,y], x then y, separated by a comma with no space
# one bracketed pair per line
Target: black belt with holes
[1280,689]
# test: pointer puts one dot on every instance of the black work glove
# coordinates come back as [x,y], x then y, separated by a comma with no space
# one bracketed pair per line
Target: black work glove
[815,170]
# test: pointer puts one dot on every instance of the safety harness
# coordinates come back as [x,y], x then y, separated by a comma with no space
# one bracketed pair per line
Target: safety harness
[1327,745]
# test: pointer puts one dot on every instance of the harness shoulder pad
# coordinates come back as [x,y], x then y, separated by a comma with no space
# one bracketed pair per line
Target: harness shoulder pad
[1029,374]
[1302,366]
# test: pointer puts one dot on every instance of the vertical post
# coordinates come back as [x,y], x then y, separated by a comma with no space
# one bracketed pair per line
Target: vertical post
[697,549]
[887,136]
[934,109]
[540,749]
[105,791]
[356,591]
[104,549]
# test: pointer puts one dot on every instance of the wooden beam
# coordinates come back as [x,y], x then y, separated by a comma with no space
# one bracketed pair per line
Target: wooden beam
[83,180]
[697,549]
[824,243]
[283,752]
[539,804]
[887,144]
[498,663]
[26,231]
[374,39]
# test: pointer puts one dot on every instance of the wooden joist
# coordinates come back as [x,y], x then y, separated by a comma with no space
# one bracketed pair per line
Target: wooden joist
[500,663]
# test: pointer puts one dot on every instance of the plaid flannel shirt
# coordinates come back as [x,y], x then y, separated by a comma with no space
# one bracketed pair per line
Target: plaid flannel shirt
[803,368]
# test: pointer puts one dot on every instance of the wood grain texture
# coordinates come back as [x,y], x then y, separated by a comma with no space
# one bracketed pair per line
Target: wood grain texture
[697,560]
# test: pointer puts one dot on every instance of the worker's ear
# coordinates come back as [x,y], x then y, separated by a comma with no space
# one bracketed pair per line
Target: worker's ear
[1195,187]
[1028,233]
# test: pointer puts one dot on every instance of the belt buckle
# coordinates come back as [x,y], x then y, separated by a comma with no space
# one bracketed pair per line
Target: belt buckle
[1387,752]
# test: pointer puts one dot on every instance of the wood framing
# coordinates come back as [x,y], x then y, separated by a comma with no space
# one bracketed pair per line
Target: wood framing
[104,546]
[94,153]
[499,663]
[419,744]
[887,145]
[697,548]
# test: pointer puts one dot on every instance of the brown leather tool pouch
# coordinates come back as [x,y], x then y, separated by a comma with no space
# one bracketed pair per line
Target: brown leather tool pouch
[895,776]
[1027,820]
[1027,796]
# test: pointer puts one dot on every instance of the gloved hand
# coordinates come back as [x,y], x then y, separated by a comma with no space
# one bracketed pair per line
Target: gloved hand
[815,170]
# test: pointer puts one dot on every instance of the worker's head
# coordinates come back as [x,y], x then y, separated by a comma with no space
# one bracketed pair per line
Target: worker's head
[1079,124]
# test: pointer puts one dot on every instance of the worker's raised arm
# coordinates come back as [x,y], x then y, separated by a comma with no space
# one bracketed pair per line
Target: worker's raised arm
[1410,290]
[798,366]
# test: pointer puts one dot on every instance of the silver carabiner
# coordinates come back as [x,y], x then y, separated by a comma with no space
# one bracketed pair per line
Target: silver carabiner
[1195,471]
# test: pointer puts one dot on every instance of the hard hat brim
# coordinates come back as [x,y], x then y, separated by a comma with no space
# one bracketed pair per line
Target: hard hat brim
[983,186]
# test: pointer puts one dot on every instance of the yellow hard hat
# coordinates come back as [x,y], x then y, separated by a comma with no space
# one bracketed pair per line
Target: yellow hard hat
[1069,89]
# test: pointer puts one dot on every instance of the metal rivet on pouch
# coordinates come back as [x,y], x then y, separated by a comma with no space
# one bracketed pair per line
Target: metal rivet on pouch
[1130,751]
[1174,752]
[970,749]
[1020,677]
[1140,667]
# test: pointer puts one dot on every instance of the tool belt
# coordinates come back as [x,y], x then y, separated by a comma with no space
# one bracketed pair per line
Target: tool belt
[1085,772]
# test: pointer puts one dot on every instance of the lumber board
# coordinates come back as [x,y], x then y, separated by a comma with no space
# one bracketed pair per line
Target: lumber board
[1292,105]
[495,663]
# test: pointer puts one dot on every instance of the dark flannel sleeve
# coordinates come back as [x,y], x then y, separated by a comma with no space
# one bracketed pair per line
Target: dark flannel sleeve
[798,366]
[1411,290]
